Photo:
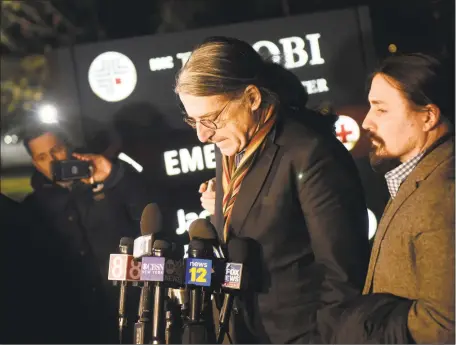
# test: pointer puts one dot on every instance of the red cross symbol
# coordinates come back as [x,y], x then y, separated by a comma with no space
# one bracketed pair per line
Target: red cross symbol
[118,81]
[342,134]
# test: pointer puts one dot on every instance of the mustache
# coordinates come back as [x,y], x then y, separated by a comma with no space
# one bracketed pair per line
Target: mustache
[214,140]
[373,137]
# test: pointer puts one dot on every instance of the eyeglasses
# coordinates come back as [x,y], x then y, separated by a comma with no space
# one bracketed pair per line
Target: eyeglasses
[211,124]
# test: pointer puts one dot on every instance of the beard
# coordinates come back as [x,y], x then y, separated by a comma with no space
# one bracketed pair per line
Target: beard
[380,161]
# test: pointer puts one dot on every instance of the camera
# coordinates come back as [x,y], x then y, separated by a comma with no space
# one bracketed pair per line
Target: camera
[69,170]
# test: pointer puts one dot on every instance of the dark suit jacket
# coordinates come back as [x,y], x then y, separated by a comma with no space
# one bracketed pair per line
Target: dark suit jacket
[303,205]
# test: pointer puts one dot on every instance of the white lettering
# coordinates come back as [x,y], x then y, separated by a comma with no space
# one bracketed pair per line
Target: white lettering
[209,156]
[161,63]
[315,85]
[294,47]
[184,220]
[315,53]
[171,162]
[198,264]
[311,86]
[152,267]
[233,272]
[321,85]
[273,50]
[234,279]
[294,53]
[191,162]
[200,158]
[183,57]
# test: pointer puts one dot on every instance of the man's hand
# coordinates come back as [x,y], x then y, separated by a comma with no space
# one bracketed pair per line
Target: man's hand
[207,190]
[101,167]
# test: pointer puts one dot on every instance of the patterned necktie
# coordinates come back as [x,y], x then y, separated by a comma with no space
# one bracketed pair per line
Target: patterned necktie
[234,174]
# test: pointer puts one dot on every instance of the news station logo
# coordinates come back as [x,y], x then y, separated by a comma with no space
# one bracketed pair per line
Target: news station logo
[347,131]
[198,272]
[152,268]
[112,76]
[123,267]
[174,271]
[233,276]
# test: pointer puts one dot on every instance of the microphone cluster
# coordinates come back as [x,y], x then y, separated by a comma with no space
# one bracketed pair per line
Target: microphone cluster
[175,304]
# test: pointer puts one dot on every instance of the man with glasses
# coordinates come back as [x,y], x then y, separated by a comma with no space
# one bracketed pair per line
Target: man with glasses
[283,181]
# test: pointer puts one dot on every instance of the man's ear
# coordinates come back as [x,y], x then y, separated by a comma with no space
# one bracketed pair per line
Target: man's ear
[254,97]
[431,117]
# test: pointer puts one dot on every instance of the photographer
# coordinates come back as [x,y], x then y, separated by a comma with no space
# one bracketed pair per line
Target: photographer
[81,222]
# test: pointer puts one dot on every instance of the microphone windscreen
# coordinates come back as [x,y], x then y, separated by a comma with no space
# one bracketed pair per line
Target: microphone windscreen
[238,250]
[196,245]
[151,220]
[161,244]
[126,245]
[202,229]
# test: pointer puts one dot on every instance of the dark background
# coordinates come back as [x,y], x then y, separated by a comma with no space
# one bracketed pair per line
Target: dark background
[147,123]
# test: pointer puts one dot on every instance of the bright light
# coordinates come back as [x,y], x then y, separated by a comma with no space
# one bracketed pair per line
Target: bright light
[8,139]
[392,48]
[122,156]
[48,114]
[372,223]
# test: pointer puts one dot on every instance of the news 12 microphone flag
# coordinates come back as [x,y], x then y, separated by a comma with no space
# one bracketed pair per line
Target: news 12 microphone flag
[198,272]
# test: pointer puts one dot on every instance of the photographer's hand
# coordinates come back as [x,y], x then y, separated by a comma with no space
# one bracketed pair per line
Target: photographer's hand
[101,167]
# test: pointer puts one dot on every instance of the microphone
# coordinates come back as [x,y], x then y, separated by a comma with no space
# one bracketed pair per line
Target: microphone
[123,267]
[177,302]
[151,222]
[160,251]
[198,275]
[166,272]
[233,283]
[151,225]
[125,247]
[202,229]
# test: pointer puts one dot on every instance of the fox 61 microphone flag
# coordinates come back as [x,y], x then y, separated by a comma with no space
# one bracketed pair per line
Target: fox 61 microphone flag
[124,267]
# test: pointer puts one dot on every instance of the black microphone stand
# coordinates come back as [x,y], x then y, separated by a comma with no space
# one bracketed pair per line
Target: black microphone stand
[141,329]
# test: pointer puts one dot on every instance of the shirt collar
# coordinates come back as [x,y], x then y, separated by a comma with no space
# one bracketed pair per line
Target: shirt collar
[395,177]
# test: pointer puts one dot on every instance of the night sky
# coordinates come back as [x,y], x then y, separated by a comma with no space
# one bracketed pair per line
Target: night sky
[413,25]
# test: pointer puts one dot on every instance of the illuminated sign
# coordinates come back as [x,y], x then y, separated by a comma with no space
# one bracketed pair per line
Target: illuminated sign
[347,131]
[131,87]
[185,219]
[112,76]
[372,223]
[183,161]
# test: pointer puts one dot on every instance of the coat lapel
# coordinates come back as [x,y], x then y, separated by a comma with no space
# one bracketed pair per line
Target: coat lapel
[421,172]
[393,206]
[218,219]
[251,186]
